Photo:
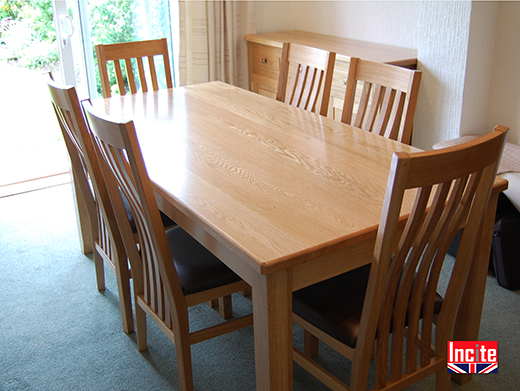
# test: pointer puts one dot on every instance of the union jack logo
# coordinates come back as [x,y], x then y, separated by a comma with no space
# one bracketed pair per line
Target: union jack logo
[472,368]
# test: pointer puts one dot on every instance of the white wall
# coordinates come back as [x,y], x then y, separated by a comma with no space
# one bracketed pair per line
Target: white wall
[504,97]
[479,68]
[469,53]
[443,48]
[388,22]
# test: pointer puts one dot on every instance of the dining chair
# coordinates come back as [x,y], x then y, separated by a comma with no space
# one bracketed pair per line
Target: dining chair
[108,245]
[386,105]
[305,77]
[395,296]
[135,51]
[171,270]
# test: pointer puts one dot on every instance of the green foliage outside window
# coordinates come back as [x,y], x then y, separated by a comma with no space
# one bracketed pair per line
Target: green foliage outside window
[28,36]
[111,22]
[27,33]
[10,8]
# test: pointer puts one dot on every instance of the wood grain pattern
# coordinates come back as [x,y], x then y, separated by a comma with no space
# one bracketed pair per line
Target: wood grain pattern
[273,180]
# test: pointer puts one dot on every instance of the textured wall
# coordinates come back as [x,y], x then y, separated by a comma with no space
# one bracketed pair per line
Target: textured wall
[479,68]
[504,97]
[390,22]
[443,45]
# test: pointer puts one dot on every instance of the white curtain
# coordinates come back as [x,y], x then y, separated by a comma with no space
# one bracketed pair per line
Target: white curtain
[211,41]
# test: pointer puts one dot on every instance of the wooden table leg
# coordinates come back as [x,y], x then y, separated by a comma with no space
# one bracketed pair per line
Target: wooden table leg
[467,325]
[272,309]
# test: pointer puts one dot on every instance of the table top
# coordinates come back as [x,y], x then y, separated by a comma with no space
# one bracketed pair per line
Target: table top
[342,46]
[275,184]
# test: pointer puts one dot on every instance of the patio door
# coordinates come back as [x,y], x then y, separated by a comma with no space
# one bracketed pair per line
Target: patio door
[32,151]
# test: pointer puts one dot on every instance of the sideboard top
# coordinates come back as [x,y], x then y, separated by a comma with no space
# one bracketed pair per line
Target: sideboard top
[342,46]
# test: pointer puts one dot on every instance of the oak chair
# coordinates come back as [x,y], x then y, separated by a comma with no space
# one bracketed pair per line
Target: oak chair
[108,246]
[387,102]
[305,77]
[171,270]
[138,51]
[394,297]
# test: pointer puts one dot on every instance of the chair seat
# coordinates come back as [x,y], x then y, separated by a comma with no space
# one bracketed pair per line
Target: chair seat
[325,306]
[198,269]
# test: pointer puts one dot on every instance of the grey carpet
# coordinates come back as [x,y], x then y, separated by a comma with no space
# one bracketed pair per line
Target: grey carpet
[59,333]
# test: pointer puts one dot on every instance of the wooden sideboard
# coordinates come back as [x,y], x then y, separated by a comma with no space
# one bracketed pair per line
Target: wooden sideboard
[264,52]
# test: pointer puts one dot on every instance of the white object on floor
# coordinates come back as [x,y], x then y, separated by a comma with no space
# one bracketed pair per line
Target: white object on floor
[509,167]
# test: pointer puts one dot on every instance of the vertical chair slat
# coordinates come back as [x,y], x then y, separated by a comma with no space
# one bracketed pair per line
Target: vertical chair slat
[302,72]
[391,129]
[363,103]
[130,75]
[381,122]
[294,81]
[142,74]
[119,77]
[310,79]
[153,73]
[315,90]
[377,93]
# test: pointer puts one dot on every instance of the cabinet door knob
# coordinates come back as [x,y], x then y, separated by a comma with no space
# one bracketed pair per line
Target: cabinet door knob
[264,60]
[345,81]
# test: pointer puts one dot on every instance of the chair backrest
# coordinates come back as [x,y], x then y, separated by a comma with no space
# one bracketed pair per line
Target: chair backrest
[305,77]
[86,170]
[154,275]
[68,112]
[387,102]
[133,50]
[452,190]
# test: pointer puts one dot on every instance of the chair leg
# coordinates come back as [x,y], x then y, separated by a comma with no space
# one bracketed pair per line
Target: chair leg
[184,365]
[125,296]
[100,271]
[225,307]
[140,325]
[312,344]
[125,303]
[442,380]
[247,292]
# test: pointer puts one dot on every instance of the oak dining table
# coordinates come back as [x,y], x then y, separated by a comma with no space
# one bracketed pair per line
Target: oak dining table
[284,197]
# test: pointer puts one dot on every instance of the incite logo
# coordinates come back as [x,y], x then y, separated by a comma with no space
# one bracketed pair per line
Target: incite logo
[472,356]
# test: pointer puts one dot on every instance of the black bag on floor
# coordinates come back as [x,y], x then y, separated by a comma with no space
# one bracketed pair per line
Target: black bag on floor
[506,244]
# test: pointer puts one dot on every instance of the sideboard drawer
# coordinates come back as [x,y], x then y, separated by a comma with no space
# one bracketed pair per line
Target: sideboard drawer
[263,63]
[265,58]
